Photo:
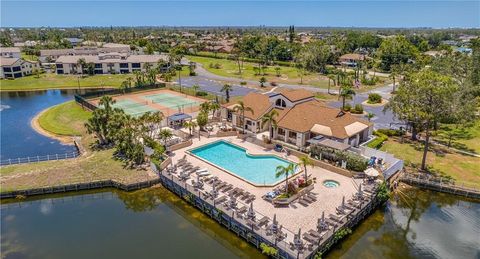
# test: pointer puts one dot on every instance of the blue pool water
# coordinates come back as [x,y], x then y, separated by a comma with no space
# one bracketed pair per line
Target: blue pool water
[259,170]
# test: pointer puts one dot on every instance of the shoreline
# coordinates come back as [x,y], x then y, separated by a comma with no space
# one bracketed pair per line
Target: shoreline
[65,140]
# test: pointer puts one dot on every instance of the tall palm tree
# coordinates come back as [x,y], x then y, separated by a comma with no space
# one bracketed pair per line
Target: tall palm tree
[393,76]
[306,161]
[285,171]
[214,107]
[332,78]
[165,135]
[81,63]
[270,118]
[195,88]
[227,89]
[241,108]
[346,92]
[190,125]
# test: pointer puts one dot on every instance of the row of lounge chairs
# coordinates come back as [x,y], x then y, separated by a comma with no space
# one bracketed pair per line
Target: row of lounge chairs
[307,199]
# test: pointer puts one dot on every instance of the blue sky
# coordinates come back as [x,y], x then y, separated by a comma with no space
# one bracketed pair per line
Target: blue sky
[68,13]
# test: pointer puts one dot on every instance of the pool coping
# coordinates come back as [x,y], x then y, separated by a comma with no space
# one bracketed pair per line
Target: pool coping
[189,151]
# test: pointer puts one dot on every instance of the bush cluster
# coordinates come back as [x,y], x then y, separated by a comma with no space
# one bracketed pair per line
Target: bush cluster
[215,65]
[201,93]
[374,98]
[378,142]
[354,162]
[358,109]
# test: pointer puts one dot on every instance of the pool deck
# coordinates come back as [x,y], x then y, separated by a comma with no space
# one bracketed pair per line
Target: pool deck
[294,216]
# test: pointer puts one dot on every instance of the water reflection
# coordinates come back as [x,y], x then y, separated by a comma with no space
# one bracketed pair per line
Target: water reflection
[417,224]
[151,223]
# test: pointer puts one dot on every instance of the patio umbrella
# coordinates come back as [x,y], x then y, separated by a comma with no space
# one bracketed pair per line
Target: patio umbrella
[233,201]
[214,191]
[274,223]
[297,240]
[360,192]
[343,201]
[322,225]
[372,172]
[251,212]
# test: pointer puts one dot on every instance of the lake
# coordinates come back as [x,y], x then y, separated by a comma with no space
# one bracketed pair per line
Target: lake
[17,109]
[154,223]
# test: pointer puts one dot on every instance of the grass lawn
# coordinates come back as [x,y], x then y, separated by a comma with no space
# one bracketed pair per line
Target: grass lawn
[28,57]
[289,75]
[467,139]
[64,119]
[93,165]
[462,168]
[52,81]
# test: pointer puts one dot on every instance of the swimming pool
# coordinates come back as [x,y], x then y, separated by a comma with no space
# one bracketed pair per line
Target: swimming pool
[256,169]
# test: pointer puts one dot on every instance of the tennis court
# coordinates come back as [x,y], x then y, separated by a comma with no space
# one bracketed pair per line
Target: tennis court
[133,108]
[166,101]
[171,100]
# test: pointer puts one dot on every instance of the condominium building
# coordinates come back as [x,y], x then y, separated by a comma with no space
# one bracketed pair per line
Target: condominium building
[10,52]
[16,67]
[109,63]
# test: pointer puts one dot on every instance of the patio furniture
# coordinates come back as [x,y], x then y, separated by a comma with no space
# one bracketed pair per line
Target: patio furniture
[220,199]
[335,218]
[303,202]
[262,221]
[241,210]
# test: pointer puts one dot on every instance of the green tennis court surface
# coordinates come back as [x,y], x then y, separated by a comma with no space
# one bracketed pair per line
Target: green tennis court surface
[133,108]
[171,100]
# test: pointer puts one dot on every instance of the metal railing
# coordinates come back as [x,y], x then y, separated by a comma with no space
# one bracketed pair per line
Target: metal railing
[34,159]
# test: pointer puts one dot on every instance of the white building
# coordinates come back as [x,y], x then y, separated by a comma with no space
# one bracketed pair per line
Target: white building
[10,52]
[119,63]
[16,67]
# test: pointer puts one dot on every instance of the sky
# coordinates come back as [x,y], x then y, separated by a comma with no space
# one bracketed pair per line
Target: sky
[322,13]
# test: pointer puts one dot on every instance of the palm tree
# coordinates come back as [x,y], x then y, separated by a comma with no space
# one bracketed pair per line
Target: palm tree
[226,88]
[370,116]
[195,88]
[306,161]
[393,76]
[346,92]
[214,106]
[270,118]
[332,78]
[165,135]
[285,170]
[190,125]
[81,63]
[262,81]
[241,108]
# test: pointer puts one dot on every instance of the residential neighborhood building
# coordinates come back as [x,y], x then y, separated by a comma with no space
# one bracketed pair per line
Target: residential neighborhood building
[51,55]
[302,120]
[108,63]
[10,52]
[351,59]
[16,67]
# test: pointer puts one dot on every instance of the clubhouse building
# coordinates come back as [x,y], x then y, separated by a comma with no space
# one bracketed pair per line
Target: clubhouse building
[302,120]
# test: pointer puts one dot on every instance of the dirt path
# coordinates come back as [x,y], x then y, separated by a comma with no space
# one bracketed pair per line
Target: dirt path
[36,126]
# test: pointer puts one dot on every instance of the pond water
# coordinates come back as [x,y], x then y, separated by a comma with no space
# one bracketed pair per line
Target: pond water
[154,223]
[17,109]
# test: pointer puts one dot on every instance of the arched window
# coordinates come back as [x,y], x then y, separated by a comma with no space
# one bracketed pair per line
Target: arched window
[280,103]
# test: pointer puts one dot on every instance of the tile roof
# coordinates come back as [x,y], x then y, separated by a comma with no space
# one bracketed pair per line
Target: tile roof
[296,94]
[95,59]
[259,103]
[7,61]
[9,49]
[314,115]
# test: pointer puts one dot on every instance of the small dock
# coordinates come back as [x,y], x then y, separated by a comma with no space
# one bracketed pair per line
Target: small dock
[439,184]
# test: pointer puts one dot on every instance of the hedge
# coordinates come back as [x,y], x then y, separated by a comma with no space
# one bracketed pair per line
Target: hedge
[377,142]
[354,162]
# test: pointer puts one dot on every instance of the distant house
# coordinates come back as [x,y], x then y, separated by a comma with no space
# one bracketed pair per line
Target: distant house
[107,63]
[301,121]
[10,52]
[351,59]
[16,67]
[74,41]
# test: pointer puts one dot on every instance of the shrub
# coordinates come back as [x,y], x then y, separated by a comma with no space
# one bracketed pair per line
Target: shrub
[268,250]
[243,83]
[354,162]
[273,84]
[390,132]
[383,193]
[358,109]
[201,93]
[378,142]
[347,107]
[374,98]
